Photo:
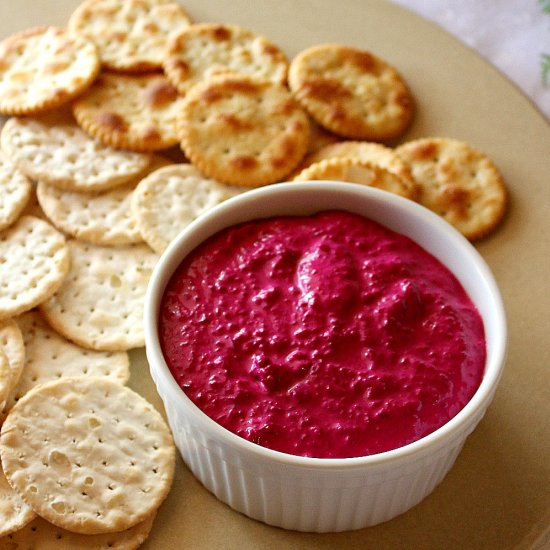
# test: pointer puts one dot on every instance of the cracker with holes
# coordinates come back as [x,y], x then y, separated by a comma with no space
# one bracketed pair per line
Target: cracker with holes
[88,455]
[130,112]
[210,49]
[53,149]
[44,535]
[13,346]
[15,192]
[98,218]
[243,131]
[368,151]
[49,357]
[169,199]
[351,92]
[14,512]
[34,260]
[457,182]
[44,67]
[354,170]
[131,35]
[100,305]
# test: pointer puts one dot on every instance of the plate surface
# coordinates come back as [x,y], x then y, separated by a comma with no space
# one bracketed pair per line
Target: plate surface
[496,496]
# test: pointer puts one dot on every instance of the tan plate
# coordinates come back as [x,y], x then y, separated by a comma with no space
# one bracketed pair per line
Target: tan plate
[496,496]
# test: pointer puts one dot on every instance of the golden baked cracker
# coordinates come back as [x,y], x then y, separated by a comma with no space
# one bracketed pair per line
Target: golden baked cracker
[355,170]
[169,199]
[130,112]
[51,148]
[371,152]
[100,305]
[13,346]
[243,131]
[34,261]
[88,455]
[131,35]
[43,535]
[351,92]
[15,192]
[14,512]
[457,182]
[49,357]
[44,67]
[209,49]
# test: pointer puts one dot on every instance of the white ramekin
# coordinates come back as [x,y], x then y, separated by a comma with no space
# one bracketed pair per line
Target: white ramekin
[312,494]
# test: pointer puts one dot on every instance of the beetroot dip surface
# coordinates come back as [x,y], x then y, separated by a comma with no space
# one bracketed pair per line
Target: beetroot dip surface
[325,336]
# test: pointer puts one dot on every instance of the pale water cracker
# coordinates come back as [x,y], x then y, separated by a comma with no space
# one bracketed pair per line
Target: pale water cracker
[243,131]
[5,377]
[351,92]
[368,151]
[88,455]
[44,67]
[130,112]
[356,171]
[49,357]
[457,182]
[53,149]
[99,218]
[43,535]
[100,305]
[13,345]
[34,260]
[15,192]
[210,49]
[131,35]
[14,512]
[169,199]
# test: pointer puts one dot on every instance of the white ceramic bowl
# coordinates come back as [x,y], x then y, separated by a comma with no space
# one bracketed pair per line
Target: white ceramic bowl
[315,494]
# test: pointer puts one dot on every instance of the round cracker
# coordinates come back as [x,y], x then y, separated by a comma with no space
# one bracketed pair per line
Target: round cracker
[209,49]
[169,199]
[14,512]
[43,535]
[100,306]
[34,261]
[12,344]
[88,455]
[243,131]
[98,218]
[44,67]
[15,192]
[351,92]
[356,171]
[49,357]
[457,182]
[371,152]
[130,112]
[131,35]
[51,148]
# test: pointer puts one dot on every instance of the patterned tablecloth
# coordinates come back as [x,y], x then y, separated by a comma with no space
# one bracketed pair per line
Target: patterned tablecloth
[514,35]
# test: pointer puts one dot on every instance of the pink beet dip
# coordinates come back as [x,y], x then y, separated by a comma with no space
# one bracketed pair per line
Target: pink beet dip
[325,336]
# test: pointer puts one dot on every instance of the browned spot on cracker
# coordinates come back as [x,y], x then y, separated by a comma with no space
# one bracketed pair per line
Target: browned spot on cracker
[181,66]
[118,36]
[211,95]
[151,27]
[159,93]
[220,33]
[112,121]
[325,89]
[285,108]
[456,198]
[286,148]
[244,162]
[151,134]
[364,61]
[242,86]
[425,151]
[271,49]
[55,66]
[234,122]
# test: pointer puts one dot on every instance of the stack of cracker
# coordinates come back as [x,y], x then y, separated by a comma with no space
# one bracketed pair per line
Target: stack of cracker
[88,202]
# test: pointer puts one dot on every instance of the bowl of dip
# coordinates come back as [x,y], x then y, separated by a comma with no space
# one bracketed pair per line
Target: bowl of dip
[323,350]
